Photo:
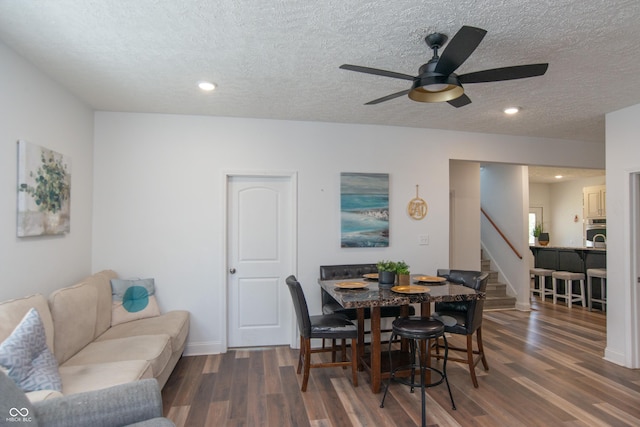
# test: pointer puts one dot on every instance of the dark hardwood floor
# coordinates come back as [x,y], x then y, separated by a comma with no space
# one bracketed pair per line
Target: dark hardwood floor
[546,369]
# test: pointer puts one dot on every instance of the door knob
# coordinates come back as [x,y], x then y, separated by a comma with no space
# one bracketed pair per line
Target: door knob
[232,270]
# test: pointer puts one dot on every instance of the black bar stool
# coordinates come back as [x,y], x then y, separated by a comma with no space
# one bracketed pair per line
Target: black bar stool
[417,330]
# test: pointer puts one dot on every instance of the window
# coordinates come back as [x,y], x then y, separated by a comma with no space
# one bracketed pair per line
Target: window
[535,217]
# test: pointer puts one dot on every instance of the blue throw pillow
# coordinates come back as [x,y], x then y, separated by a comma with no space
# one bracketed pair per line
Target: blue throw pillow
[27,359]
[133,299]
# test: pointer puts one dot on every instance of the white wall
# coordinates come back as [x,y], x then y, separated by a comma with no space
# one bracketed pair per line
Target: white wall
[623,160]
[566,202]
[540,196]
[561,202]
[504,195]
[464,182]
[34,108]
[158,195]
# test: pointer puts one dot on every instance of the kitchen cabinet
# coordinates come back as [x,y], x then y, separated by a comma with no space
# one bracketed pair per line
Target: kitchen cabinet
[594,202]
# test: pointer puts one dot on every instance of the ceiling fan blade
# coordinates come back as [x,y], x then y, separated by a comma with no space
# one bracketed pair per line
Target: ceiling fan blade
[388,97]
[505,73]
[376,71]
[459,49]
[460,101]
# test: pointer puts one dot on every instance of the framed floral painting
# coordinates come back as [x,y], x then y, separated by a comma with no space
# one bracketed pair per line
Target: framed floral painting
[44,191]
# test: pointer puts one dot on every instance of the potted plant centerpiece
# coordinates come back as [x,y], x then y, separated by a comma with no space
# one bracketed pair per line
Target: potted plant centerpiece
[402,270]
[386,273]
[536,232]
[542,238]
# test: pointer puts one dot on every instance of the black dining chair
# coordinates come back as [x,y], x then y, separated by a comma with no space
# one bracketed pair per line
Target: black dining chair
[468,318]
[324,326]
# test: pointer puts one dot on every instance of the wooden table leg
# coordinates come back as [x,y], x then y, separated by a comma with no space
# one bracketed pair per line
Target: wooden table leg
[376,347]
[360,312]
[425,309]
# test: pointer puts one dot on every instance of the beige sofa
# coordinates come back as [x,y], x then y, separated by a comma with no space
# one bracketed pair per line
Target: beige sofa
[90,352]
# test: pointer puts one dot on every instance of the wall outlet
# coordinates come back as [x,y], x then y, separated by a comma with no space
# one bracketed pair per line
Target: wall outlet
[423,239]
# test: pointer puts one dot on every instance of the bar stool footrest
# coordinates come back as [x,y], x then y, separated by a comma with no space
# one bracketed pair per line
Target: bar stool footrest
[405,381]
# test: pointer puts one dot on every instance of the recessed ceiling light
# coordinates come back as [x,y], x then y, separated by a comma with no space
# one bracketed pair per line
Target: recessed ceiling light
[511,110]
[206,86]
[558,177]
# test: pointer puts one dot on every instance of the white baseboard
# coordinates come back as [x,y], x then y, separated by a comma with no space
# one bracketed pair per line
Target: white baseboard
[202,348]
[614,357]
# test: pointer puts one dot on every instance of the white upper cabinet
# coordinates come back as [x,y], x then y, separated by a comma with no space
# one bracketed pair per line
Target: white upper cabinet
[594,202]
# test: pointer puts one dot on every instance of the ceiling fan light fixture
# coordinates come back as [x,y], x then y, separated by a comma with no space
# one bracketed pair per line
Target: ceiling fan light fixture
[436,89]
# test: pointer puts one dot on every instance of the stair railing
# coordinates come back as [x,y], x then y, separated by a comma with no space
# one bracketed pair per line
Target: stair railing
[501,233]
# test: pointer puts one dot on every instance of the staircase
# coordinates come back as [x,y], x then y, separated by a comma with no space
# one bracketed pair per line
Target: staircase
[497,298]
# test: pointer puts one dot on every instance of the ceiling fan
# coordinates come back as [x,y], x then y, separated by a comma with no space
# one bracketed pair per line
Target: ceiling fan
[436,80]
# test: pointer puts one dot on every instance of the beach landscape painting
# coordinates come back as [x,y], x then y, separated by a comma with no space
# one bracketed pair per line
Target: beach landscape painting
[364,210]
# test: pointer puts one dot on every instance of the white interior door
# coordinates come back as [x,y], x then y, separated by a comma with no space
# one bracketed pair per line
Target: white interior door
[260,252]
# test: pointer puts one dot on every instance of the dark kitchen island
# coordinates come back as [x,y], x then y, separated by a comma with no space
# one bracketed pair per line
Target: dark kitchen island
[574,259]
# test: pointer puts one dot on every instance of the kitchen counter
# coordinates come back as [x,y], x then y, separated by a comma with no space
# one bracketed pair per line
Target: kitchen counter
[567,258]
[573,248]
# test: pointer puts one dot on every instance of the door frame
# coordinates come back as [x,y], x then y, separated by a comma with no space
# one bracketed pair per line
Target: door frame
[293,188]
[634,261]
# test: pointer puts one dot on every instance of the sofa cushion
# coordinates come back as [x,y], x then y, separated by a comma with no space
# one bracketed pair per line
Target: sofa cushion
[83,311]
[156,349]
[133,299]
[96,376]
[173,323]
[13,311]
[74,311]
[26,357]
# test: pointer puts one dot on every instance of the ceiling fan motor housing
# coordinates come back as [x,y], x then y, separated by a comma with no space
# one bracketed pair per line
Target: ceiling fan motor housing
[430,86]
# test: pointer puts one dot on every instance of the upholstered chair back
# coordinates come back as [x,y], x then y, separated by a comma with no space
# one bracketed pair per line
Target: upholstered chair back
[470,311]
[300,306]
[344,271]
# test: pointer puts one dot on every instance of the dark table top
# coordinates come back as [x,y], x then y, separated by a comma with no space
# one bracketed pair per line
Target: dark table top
[373,296]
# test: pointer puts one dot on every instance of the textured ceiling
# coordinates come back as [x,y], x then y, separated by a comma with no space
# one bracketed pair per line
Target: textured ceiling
[279,59]
[547,175]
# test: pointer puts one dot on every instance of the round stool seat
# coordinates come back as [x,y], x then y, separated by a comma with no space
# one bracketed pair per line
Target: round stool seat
[541,272]
[567,275]
[597,272]
[417,328]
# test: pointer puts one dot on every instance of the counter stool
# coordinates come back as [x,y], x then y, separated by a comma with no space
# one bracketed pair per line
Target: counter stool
[419,330]
[600,273]
[568,277]
[540,282]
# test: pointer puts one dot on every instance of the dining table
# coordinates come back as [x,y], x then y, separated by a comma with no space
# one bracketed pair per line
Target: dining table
[363,293]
